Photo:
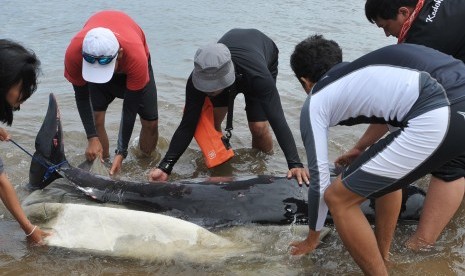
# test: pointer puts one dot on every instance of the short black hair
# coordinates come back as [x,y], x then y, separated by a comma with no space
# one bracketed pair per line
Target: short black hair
[385,9]
[17,64]
[314,56]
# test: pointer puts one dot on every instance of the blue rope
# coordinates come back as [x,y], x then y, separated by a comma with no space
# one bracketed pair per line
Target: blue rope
[50,169]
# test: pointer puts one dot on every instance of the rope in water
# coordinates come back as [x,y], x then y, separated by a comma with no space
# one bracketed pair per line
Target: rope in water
[50,169]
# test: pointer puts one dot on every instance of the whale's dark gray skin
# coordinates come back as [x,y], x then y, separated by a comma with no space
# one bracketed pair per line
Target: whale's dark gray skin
[208,202]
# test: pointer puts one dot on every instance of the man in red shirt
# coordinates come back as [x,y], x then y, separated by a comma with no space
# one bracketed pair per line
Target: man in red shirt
[109,58]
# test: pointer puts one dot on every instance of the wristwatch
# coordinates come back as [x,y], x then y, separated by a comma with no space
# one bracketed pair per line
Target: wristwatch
[123,153]
[165,167]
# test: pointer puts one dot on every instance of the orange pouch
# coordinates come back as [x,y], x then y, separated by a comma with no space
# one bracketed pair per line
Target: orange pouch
[209,139]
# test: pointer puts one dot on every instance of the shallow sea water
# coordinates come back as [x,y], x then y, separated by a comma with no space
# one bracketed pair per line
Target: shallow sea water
[174,30]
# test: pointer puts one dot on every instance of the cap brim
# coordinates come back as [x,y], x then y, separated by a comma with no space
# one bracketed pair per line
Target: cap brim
[97,73]
[212,85]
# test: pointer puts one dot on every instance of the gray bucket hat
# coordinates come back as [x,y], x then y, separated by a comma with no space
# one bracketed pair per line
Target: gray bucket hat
[213,68]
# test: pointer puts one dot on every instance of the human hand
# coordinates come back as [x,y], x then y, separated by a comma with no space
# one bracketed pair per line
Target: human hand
[417,244]
[301,174]
[306,246]
[348,157]
[37,235]
[94,149]
[4,135]
[157,175]
[117,164]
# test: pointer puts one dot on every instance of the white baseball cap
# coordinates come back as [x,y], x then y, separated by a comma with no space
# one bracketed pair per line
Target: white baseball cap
[99,42]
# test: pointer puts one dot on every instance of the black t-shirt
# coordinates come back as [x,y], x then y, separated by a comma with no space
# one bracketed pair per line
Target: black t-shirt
[440,25]
[255,58]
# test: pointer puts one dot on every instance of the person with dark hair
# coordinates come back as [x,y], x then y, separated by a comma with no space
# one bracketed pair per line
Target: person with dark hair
[243,61]
[434,23]
[310,50]
[420,22]
[395,85]
[19,68]
[109,58]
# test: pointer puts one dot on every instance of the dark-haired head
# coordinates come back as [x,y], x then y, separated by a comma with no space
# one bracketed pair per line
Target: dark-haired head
[19,69]
[314,56]
[385,9]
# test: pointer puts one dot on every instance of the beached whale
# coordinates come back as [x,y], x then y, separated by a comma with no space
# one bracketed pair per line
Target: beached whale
[206,202]
[120,232]
[143,235]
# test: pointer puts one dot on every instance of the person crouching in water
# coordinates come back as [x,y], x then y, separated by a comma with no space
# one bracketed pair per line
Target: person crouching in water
[245,61]
[18,80]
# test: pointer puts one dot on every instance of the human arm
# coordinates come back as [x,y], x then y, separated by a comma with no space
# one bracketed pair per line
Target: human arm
[73,73]
[131,103]
[314,128]
[84,106]
[183,134]
[373,133]
[136,66]
[11,202]
[271,104]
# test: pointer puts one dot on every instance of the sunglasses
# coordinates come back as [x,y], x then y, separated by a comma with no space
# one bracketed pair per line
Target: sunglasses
[102,60]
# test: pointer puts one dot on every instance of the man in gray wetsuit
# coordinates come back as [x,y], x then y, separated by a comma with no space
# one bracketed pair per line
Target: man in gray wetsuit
[378,88]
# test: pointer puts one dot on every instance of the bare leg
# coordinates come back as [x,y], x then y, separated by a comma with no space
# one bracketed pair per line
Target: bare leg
[219,113]
[261,136]
[99,117]
[354,229]
[387,213]
[441,202]
[148,136]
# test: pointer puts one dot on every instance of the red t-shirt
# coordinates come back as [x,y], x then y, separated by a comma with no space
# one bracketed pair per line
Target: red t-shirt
[131,38]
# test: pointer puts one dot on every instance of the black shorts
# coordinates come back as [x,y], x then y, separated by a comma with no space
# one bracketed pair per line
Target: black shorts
[432,143]
[2,167]
[452,170]
[102,94]
[253,105]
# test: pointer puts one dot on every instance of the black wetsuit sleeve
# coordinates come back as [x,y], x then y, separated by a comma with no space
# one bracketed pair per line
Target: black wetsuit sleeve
[271,104]
[131,103]
[186,129]
[84,106]
[255,57]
